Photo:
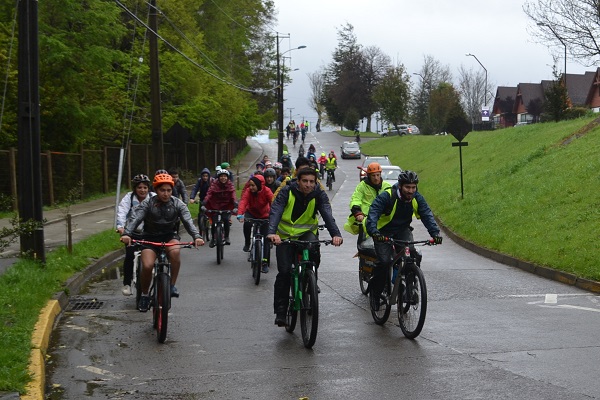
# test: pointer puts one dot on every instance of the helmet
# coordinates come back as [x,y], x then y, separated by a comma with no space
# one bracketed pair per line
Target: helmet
[268,163]
[373,168]
[141,178]
[323,155]
[285,152]
[222,171]
[408,177]
[224,165]
[159,179]
[161,171]
[278,165]
[270,172]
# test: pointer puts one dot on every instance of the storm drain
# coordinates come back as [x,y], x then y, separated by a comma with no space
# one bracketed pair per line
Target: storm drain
[83,305]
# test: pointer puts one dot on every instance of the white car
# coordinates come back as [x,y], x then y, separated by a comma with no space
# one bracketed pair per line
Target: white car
[389,173]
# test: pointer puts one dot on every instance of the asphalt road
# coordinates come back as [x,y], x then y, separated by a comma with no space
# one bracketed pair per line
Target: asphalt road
[492,332]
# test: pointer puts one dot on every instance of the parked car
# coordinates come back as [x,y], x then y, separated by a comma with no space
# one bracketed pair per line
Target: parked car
[415,130]
[389,173]
[350,150]
[389,132]
[382,160]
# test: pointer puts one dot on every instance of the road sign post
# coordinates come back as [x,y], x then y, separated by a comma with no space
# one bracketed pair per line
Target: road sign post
[460,145]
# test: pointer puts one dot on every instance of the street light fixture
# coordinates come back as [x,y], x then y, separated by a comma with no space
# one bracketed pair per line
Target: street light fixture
[280,98]
[563,43]
[485,88]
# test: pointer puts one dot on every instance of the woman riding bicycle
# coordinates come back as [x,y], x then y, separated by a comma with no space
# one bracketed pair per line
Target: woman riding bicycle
[390,215]
[255,203]
[220,196]
[294,215]
[161,215]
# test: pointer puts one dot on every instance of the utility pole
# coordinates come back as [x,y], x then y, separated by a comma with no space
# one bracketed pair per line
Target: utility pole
[155,109]
[29,142]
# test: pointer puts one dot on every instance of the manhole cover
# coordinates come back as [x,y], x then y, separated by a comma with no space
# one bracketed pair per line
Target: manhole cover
[80,305]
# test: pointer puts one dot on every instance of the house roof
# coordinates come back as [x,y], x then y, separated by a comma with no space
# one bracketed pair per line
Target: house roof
[503,93]
[578,87]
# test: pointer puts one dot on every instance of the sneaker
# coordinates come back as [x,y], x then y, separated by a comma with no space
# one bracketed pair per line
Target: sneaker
[246,248]
[212,243]
[126,290]
[144,304]
[227,242]
[265,269]
[280,319]
[174,291]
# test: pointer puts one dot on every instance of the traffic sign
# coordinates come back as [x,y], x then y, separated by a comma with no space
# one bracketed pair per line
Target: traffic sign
[485,114]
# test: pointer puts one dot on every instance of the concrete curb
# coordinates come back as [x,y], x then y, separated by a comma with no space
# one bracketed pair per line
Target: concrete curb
[43,328]
[546,272]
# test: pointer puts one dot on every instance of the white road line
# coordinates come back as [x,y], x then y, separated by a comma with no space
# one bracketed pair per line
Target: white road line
[551,299]
[101,222]
[578,308]
[99,371]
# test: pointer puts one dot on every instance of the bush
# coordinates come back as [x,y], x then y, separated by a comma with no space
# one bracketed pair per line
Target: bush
[575,112]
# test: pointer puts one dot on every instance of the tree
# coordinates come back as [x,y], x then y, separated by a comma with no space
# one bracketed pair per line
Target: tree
[473,92]
[556,99]
[376,64]
[445,110]
[392,95]
[576,22]
[317,81]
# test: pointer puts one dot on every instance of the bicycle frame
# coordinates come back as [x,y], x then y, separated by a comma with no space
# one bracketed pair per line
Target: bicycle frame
[255,237]
[217,221]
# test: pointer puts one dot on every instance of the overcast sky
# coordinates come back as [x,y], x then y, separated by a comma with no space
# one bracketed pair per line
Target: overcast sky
[495,31]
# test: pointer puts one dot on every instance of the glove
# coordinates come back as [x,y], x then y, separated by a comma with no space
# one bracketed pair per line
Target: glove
[378,237]
[437,240]
[240,217]
[203,208]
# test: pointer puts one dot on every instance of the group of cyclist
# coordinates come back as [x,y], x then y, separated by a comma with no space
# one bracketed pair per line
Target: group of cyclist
[291,199]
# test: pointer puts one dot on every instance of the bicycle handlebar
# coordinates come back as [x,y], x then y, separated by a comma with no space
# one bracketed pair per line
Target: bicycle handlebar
[306,242]
[260,221]
[185,245]
[428,242]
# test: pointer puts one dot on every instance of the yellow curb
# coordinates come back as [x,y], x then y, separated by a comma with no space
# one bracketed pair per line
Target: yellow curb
[39,345]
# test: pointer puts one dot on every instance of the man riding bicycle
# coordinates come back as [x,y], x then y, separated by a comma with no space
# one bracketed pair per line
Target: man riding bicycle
[294,216]
[390,215]
[331,164]
[161,215]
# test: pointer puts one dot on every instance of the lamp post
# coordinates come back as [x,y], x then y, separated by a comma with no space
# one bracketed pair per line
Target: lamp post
[280,99]
[485,88]
[563,43]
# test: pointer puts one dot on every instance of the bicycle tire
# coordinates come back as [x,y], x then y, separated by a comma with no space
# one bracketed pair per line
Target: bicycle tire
[412,307]
[138,279]
[257,261]
[204,227]
[292,314]
[381,316]
[219,241]
[363,277]
[309,313]
[163,290]
[329,181]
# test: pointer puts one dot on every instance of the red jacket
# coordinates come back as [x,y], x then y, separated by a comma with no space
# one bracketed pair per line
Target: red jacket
[220,196]
[256,204]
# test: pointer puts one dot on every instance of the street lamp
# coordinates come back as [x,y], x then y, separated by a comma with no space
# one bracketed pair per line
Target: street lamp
[485,88]
[280,99]
[563,43]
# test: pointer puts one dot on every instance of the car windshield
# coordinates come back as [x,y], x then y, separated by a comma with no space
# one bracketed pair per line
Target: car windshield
[380,160]
[351,146]
[390,174]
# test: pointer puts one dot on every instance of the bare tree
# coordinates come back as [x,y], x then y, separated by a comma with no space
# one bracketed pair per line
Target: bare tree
[376,63]
[575,22]
[317,82]
[473,92]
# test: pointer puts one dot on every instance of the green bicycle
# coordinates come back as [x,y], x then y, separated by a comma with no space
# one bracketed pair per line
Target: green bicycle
[304,291]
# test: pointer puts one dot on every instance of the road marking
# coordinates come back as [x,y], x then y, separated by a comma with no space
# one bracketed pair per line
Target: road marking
[101,222]
[100,371]
[551,299]
[579,308]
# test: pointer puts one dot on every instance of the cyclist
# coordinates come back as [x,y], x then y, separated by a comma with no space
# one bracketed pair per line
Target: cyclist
[301,151]
[201,187]
[322,161]
[221,196]
[179,190]
[255,203]
[294,216]
[277,167]
[227,166]
[286,161]
[270,176]
[390,215]
[160,215]
[331,164]
[141,191]
[364,194]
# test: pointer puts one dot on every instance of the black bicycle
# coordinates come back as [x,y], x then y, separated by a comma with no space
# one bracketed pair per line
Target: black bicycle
[160,289]
[204,225]
[329,178]
[258,243]
[304,291]
[219,219]
[409,291]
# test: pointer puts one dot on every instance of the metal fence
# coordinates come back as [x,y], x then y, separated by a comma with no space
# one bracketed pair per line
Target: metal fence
[96,171]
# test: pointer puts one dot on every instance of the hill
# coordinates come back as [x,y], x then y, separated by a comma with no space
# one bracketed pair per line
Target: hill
[530,192]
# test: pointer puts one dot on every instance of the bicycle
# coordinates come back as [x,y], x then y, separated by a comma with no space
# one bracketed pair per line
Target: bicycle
[409,291]
[304,292]
[257,245]
[219,227]
[366,259]
[160,288]
[204,225]
[329,178]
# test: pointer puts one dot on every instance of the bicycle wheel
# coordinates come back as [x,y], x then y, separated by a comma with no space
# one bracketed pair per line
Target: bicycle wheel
[363,276]
[204,227]
[163,296]
[137,274]
[257,260]
[220,242]
[329,181]
[382,313]
[412,303]
[292,314]
[309,313]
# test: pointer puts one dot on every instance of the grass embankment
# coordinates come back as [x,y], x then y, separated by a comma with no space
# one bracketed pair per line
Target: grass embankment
[531,191]
[25,289]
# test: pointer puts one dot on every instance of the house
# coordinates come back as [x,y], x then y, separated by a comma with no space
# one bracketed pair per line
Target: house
[502,110]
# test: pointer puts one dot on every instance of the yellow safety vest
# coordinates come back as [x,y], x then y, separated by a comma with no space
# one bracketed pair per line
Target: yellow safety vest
[288,229]
[385,219]
[330,163]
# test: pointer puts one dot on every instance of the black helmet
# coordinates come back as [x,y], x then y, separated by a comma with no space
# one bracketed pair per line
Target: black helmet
[269,172]
[141,178]
[408,177]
